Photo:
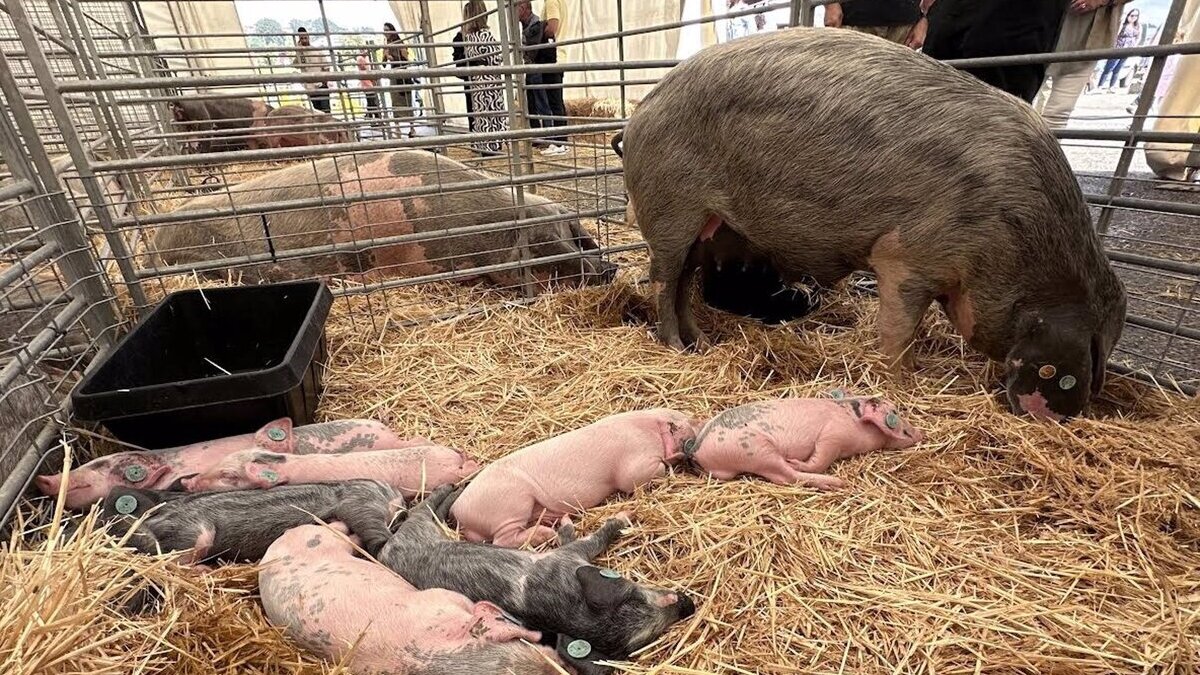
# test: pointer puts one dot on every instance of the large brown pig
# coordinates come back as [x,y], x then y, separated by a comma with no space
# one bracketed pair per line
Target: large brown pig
[292,126]
[219,125]
[357,178]
[828,152]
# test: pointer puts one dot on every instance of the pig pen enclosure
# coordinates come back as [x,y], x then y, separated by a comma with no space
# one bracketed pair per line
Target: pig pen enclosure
[468,311]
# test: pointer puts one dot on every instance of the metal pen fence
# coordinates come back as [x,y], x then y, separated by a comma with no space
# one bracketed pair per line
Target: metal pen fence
[114,197]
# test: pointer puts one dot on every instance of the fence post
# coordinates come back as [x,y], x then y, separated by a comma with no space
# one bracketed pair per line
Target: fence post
[509,48]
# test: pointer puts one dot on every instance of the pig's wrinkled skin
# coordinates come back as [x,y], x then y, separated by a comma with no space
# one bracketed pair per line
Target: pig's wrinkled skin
[946,188]
[515,499]
[163,469]
[293,126]
[358,178]
[561,591]
[356,612]
[790,441]
[219,125]
[239,526]
[409,470]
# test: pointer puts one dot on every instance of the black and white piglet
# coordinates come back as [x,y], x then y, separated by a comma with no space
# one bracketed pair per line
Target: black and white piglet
[559,592]
[239,526]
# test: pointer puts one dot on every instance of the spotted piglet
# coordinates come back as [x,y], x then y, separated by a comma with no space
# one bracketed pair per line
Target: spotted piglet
[409,470]
[796,440]
[342,607]
[517,498]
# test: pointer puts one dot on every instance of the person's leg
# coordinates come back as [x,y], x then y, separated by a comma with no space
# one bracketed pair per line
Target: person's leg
[470,107]
[1067,84]
[1104,74]
[320,98]
[554,97]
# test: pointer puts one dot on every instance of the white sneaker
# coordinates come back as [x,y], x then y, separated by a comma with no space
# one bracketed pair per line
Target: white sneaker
[554,150]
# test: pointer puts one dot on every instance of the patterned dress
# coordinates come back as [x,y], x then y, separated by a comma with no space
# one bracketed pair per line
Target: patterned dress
[487,93]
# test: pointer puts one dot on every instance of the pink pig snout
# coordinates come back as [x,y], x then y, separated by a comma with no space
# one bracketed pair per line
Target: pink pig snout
[48,484]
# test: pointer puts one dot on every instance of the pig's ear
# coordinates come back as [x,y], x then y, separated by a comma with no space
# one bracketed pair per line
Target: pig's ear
[872,411]
[277,436]
[602,589]
[262,476]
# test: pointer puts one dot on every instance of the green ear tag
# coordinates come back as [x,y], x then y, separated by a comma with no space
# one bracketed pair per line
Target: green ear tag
[135,473]
[126,504]
[276,434]
[579,649]
[609,574]
[838,394]
[270,476]
[892,420]
[1067,382]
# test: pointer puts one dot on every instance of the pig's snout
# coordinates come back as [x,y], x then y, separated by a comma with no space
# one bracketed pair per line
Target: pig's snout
[687,607]
[47,484]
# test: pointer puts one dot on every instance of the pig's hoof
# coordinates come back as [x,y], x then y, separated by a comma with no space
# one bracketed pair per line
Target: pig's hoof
[674,342]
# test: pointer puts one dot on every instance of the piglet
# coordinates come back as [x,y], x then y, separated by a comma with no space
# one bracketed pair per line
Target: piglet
[408,470]
[162,469]
[515,499]
[238,526]
[342,607]
[796,440]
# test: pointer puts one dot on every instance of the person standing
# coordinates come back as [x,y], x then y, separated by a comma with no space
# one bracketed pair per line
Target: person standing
[738,26]
[1129,36]
[555,29]
[461,61]
[309,59]
[964,29]
[533,36]
[363,62]
[487,96]
[395,55]
[1089,24]
[898,21]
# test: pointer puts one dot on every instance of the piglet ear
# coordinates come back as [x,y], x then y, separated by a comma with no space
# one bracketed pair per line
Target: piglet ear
[884,417]
[602,589]
[277,436]
[261,476]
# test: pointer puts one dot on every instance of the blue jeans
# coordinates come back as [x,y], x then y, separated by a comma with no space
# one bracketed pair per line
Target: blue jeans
[538,104]
[1112,70]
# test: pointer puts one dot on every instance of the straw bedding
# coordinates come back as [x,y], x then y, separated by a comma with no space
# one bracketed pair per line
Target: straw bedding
[999,545]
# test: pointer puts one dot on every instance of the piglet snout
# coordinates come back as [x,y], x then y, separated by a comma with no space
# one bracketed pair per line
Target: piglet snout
[686,606]
[47,484]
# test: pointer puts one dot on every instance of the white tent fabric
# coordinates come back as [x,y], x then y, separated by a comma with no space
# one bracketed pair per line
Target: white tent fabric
[1180,108]
[199,21]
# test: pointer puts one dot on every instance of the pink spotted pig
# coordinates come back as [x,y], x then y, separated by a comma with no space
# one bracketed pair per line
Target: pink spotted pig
[357,612]
[162,469]
[517,498]
[409,470]
[796,440]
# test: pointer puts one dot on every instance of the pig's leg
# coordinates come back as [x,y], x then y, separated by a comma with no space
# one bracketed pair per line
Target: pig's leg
[667,267]
[534,536]
[566,531]
[779,471]
[689,332]
[591,547]
[368,520]
[902,305]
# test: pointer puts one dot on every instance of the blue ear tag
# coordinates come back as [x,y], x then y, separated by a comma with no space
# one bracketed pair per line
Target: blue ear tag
[609,574]
[838,394]
[126,504]
[1067,382]
[892,420]
[276,434]
[135,473]
[579,649]
[270,476]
